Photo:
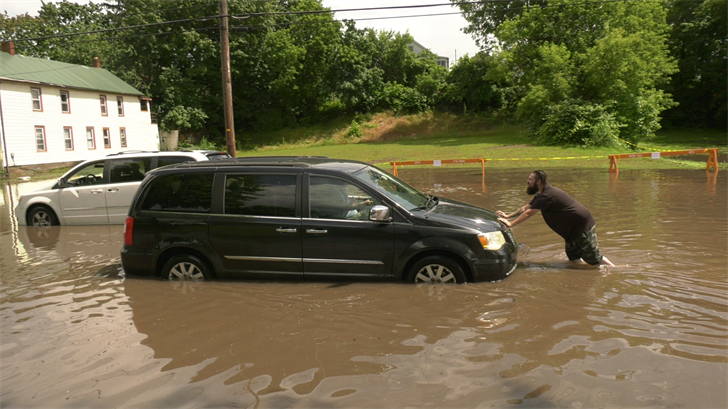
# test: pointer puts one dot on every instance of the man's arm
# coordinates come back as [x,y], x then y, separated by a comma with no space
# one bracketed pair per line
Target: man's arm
[524,213]
[514,214]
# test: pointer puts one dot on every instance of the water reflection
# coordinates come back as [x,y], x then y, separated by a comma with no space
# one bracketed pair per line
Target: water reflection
[651,332]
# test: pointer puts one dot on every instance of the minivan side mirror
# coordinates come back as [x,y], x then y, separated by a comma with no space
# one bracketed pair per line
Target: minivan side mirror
[379,214]
[62,182]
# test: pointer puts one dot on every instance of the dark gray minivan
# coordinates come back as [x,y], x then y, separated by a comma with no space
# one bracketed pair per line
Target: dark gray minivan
[306,218]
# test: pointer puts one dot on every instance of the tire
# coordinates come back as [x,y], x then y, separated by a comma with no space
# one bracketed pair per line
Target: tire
[185,267]
[42,216]
[436,269]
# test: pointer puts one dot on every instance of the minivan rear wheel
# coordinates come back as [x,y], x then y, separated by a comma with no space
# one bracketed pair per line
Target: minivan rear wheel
[186,267]
[436,269]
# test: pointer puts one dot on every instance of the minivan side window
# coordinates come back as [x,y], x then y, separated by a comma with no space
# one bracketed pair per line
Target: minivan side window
[331,198]
[129,170]
[261,195]
[91,174]
[188,193]
[171,160]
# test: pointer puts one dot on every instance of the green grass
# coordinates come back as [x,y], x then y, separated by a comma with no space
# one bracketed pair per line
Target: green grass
[386,138]
[432,136]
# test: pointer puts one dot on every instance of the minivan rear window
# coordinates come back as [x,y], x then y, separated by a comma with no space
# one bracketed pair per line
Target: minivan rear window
[261,195]
[189,193]
[171,160]
[217,156]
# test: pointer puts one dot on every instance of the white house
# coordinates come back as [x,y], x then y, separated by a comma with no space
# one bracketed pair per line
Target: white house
[417,48]
[54,113]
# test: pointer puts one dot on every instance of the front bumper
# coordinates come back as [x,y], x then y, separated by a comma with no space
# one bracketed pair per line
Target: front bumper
[495,268]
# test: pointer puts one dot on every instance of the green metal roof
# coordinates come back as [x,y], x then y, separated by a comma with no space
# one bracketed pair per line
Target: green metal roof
[61,74]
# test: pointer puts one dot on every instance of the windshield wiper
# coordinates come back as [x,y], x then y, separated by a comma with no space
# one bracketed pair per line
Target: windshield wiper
[431,199]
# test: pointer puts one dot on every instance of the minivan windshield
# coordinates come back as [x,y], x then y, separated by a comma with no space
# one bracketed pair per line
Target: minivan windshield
[395,189]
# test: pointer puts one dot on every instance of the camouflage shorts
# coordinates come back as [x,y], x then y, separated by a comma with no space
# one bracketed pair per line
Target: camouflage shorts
[585,247]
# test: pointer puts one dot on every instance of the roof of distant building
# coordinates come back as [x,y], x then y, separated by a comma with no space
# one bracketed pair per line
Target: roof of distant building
[61,74]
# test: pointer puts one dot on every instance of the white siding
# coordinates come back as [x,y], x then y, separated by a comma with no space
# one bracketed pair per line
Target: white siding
[416,47]
[19,121]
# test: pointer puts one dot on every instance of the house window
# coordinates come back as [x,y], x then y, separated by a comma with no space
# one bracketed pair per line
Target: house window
[102,101]
[68,137]
[144,104]
[35,95]
[107,138]
[90,139]
[120,105]
[65,102]
[122,136]
[40,140]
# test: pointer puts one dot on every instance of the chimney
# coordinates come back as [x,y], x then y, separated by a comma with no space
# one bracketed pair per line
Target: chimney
[97,62]
[9,47]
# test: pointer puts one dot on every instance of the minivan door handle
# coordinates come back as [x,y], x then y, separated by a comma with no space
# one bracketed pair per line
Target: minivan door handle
[284,230]
[113,190]
[316,231]
[97,191]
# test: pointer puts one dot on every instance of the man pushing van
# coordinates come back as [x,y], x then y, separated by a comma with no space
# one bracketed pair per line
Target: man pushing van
[564,215]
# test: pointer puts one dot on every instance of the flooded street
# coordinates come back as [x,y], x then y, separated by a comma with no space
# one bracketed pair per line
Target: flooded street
[652,332]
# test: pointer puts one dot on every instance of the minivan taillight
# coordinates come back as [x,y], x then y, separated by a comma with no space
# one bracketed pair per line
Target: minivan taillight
[129,231]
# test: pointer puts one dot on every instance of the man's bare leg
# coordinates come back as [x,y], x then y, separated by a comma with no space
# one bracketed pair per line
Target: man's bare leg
[606,261]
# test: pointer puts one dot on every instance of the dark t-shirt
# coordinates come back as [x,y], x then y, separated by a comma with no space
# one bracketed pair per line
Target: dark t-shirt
[562,213]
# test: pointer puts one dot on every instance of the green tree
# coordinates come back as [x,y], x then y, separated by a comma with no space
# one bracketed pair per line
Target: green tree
[611,57]
[475,84]
[698,36]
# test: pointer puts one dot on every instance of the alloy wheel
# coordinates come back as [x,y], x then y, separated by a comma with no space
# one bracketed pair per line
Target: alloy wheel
[435,273]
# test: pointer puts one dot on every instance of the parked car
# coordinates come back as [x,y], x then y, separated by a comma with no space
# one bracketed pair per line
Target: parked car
[98,191]
[306,217]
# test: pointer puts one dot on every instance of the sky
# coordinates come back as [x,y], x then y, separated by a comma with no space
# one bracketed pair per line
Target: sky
[441,34]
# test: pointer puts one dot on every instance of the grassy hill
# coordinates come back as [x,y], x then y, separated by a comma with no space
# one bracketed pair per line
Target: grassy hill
[384,138]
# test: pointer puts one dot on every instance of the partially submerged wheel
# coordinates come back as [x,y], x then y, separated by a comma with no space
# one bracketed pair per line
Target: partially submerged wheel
[42,216]
[184,267]
[436,269]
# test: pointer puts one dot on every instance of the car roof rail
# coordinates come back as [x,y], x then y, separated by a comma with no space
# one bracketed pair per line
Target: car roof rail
[129,152]
[274,158]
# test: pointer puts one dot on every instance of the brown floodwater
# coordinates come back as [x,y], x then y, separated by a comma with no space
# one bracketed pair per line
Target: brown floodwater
[652,332]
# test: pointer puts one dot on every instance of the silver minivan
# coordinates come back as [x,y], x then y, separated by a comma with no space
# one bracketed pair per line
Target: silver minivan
[98,191]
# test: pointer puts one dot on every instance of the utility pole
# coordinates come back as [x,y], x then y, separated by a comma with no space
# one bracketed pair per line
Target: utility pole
[227,89]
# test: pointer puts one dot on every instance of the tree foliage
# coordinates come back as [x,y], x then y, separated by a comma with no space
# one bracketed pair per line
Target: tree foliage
[699,41]
[611,57]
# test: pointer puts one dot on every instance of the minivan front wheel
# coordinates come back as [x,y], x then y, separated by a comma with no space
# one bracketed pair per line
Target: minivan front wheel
[42,216]
[185,267]
[436,269]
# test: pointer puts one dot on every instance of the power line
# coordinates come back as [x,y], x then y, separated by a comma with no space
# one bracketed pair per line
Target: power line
[314,12]
[237,16]
[292,23]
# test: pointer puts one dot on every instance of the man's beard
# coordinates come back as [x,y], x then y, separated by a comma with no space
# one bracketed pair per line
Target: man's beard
[531,190]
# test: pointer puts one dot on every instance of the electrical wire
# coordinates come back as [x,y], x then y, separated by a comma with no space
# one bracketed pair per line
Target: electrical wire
[251,28]
[311,12]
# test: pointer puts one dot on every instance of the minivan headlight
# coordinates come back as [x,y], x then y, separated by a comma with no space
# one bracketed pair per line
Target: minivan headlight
[492,241]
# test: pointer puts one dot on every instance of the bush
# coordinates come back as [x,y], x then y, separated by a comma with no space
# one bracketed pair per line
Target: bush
[355,130]
[577,123]
[403,100]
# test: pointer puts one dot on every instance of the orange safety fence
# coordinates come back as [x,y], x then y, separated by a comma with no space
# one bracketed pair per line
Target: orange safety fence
[439,163]
[613,159]
[712,157]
